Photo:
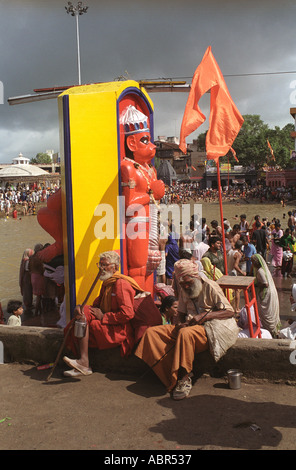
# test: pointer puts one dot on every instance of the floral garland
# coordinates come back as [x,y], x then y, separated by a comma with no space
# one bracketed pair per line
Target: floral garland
[142,169]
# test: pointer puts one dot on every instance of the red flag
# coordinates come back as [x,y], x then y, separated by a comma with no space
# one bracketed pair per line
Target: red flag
[225,120]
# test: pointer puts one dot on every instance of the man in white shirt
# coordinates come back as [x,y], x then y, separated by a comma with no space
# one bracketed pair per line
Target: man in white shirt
[200,249]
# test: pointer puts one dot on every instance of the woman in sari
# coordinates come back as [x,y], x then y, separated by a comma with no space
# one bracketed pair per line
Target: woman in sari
[213,273]
[25,281]
[268,301]
[172,255]
[276,250]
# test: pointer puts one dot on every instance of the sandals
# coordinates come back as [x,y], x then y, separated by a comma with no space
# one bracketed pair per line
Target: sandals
[72,373]
[75,365]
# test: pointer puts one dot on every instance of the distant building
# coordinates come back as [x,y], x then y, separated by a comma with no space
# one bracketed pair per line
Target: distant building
[230,176]
[167,149]
[197,165]
[20,160]
[50,153]
[189,167]
[280,178]
[54,166]
[21,171]
[166,173]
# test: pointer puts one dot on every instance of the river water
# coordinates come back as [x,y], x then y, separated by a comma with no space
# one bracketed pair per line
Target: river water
[18,234]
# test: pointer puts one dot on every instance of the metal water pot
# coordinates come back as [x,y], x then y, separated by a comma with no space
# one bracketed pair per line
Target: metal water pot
[234,379]
[80,328]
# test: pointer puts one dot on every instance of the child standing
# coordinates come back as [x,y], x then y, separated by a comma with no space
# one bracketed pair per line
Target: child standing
[15,308]
[287,263]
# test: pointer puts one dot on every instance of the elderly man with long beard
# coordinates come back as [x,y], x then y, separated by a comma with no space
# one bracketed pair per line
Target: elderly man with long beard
[170,349]
[108,319]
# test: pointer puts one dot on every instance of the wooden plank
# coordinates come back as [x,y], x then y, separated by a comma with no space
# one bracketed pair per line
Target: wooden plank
[235,282]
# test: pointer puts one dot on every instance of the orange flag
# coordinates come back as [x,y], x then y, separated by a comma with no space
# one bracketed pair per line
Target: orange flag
[234,153]
[225,120]
[271,150]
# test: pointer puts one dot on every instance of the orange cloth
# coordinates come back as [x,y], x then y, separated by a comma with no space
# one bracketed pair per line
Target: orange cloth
[115,328]
[159,340]
[225,119]
[271,150]
[105,304]
[185,267]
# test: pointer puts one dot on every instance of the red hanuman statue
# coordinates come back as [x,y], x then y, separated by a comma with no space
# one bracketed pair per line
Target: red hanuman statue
[142,190]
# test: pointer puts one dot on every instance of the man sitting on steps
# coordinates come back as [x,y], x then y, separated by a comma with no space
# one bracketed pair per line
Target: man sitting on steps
[108,319]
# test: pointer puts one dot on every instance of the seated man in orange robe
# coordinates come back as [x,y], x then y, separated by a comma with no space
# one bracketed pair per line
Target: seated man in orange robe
[108,319]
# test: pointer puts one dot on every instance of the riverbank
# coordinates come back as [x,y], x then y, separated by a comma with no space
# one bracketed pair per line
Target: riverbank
[20,211]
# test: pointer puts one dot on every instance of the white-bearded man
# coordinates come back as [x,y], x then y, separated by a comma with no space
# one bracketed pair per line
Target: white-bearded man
[108,318]
[171,349]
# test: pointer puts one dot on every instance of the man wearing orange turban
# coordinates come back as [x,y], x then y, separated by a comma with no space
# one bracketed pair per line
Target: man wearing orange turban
[170,349]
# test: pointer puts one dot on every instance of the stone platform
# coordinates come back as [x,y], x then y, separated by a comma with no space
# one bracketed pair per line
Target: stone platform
[256,358]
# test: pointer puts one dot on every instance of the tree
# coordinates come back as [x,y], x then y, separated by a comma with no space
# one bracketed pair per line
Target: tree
[282,143]
[41,158]
[201,142]
[251,145]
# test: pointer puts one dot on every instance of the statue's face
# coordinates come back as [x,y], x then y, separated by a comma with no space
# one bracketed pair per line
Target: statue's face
[141,146]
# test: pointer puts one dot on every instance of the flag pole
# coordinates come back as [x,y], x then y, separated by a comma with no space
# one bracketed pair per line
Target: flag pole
[221,215]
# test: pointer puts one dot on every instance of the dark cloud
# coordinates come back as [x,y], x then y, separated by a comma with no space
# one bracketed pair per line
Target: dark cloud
[140,39]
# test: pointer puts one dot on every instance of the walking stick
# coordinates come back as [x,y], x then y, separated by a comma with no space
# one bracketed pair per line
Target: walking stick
[71,326]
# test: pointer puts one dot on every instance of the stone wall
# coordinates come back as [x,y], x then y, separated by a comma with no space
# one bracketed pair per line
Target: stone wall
[256,358]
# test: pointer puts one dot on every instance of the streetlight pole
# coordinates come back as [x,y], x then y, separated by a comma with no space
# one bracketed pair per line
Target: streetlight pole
[76,11]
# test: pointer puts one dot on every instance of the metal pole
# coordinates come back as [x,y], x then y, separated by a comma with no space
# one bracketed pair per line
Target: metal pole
[221,214]
[76,11]
[78,48]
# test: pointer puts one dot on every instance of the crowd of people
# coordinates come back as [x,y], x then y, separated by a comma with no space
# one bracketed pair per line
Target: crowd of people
[41,285]
[23,199]
[181,193]
[263,249]
[276,244]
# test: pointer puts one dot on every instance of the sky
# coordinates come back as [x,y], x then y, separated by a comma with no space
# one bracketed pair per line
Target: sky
[252,41]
